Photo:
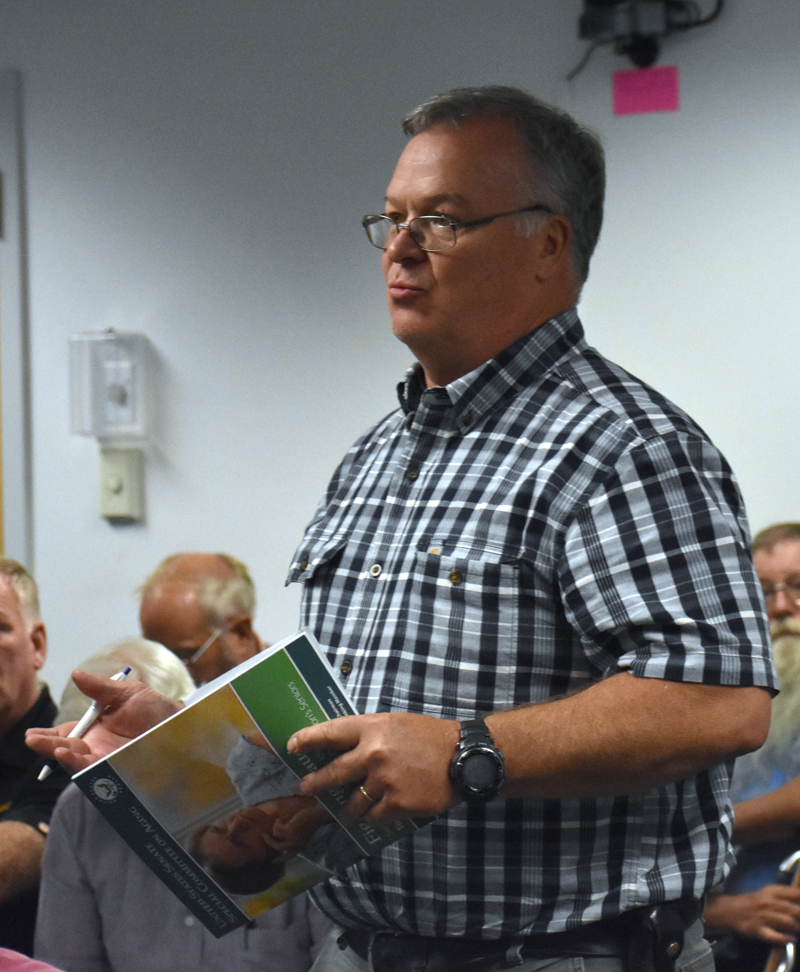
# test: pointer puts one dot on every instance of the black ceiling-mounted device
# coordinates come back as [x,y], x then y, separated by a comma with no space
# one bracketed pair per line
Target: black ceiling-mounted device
[636,27]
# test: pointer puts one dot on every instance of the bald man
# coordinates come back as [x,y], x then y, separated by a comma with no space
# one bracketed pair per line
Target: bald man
[200,606]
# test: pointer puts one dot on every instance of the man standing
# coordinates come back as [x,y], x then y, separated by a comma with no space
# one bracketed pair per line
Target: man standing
[535,578]
[200,606]
[757,913]
[539,536]
[25,803]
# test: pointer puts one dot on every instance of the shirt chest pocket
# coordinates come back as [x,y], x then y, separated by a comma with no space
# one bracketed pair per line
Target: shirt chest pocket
[316,557]
[435,629]
[459,624]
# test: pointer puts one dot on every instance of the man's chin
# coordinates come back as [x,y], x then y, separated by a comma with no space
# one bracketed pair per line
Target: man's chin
[786,655]
[789,627]
[409,326]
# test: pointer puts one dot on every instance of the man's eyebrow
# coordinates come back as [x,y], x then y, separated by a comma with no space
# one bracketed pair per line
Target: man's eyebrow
[433,202]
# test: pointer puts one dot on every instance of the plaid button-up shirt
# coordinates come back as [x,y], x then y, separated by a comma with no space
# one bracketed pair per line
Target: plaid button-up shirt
[542,523]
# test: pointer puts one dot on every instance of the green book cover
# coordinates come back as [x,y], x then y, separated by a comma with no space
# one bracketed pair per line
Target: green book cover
[209,799]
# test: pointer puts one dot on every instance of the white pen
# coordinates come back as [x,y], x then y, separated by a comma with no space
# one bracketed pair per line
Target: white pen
[85,722]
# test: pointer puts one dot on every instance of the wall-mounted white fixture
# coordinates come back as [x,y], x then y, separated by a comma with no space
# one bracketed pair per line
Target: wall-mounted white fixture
[109,399]
[121,484]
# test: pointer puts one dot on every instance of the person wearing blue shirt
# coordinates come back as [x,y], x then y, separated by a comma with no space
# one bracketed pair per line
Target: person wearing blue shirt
[752,912]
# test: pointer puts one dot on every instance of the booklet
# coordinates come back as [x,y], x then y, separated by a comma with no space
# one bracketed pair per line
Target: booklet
[209,798]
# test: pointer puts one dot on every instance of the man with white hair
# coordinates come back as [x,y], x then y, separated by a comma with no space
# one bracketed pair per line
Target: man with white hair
[25,803]
[200,606]
[757,913]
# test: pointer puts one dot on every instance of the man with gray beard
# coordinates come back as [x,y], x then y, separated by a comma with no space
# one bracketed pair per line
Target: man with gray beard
[753,914]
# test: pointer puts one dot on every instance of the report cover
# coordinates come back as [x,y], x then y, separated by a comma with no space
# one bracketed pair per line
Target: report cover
[209,798]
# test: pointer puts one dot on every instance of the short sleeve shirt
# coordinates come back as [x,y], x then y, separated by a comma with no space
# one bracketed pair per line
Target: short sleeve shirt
[538,525]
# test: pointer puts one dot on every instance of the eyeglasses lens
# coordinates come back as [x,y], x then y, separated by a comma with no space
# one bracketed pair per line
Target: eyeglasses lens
[791,589]
[428,232]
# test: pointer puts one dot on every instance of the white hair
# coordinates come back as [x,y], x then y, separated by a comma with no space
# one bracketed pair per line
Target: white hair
[24,586]
[150,663]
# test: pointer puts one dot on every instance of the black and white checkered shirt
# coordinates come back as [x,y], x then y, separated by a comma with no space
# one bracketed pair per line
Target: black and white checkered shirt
[538,525]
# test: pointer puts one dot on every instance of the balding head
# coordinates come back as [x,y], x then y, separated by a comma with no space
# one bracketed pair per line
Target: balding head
[196,601]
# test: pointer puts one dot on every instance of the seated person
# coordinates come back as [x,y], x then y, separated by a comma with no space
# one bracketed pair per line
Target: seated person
[752,913]
[200,606]
[102,910]
[25,802]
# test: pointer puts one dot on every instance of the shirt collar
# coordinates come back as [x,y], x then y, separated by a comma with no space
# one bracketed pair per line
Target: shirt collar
[519,365]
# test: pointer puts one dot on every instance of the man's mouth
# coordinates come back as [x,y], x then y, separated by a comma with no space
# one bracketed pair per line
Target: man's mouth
[398,289]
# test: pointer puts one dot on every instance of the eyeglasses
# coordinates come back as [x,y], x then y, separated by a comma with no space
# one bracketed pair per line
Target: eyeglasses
[190,655]
[791,588]
[432,233]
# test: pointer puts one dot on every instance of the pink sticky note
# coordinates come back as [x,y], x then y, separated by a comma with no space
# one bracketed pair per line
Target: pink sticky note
[645,90]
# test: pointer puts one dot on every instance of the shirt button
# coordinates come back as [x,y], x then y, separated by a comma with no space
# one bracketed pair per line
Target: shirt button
[412,473]
[375,570]
[346,667]
[455,578]
[189,921]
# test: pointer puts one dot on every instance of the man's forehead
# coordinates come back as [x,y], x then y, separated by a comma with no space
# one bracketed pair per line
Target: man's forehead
[172,596]
[431,202]
[9,599]
[781,558]
[446,163]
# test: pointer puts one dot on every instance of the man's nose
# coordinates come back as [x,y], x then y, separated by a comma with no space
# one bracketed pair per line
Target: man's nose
[401,246]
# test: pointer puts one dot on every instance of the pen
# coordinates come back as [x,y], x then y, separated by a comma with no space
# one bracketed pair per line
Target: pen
[84,723]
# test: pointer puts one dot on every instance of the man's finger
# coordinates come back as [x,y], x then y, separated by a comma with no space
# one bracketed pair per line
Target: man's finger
[341,770]
[74,762]
[342,733]
[105,691]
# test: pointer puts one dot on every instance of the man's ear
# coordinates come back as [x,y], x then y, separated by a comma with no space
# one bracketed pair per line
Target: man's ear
[38,636]
[554,246]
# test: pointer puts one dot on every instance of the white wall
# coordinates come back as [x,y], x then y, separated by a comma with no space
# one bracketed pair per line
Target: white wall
[197,171]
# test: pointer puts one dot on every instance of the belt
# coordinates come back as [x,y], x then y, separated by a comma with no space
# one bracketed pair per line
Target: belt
[401,952]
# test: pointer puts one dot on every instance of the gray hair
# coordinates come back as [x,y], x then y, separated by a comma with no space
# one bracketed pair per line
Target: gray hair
[150,663]
[221,597]
[567,160]
[24,586]
[767,538]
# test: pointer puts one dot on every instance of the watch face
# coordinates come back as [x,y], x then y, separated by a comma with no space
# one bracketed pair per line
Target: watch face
[479,771]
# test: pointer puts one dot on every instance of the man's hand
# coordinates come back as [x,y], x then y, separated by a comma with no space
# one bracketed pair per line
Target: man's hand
[130,708]
[772,913]
[400,759]
[21,849]
[773,816]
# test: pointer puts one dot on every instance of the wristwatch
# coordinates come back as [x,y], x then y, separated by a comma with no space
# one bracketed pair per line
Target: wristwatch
[478,768]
